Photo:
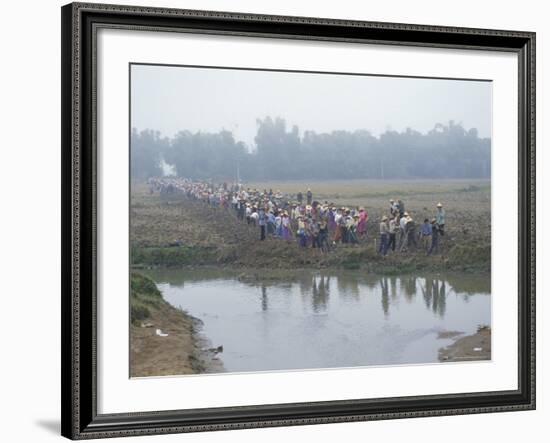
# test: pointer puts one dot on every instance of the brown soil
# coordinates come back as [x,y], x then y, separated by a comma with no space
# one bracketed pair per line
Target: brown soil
[180,353]
[469,348]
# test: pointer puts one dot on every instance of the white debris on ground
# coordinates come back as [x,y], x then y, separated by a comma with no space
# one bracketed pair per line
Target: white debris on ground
[160,333]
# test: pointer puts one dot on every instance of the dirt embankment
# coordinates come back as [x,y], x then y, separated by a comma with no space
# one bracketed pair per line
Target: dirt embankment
[176,231]
[164,340]
[473,347]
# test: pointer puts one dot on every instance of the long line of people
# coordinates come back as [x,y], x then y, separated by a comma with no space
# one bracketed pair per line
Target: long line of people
[311,223]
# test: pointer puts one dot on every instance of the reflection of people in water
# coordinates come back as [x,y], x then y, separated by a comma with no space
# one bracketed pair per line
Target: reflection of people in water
[427,291]
[442,300]
[434,292]
[324,286]
[409,287]
[393,285]
[264,298]
[348,286]
[319,294]
[385,296]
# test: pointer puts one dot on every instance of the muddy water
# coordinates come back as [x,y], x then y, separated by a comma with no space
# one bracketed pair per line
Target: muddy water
[325,320]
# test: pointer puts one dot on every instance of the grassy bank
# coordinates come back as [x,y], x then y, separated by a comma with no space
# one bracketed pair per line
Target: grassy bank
[179,352]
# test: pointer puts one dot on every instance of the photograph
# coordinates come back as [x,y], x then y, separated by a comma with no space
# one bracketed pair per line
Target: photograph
[296,220]
[274,219]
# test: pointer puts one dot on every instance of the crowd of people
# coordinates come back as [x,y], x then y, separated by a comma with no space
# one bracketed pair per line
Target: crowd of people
[314,224]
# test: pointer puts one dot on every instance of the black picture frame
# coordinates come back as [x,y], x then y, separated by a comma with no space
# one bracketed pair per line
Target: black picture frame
[79,177]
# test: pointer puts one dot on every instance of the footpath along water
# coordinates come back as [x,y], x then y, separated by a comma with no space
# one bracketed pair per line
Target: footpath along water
[327,320]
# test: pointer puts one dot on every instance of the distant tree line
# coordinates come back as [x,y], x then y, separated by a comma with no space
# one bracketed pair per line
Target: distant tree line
[447,151]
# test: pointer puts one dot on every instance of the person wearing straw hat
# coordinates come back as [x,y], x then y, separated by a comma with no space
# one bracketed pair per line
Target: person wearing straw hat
[434,248]
[440,218]
[410,232]
[392,232]
[384,230]
[339,220]
[402,229]
[323,234]
[314,233]
[241,208]
[286,230]
[262,222]
[331,216]
[270,222]
[254,216]
[352,229]
[279,224]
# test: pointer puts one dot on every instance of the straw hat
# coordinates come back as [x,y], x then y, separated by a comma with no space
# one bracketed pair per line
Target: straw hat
[439,205]
[406,214]
[384,218]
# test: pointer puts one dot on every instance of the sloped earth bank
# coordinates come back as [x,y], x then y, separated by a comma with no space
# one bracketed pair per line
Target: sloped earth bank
[175,231]
[180,350]
[165,340]
[473,347]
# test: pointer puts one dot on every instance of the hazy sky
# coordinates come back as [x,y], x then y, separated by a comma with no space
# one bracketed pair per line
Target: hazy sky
[170,99]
